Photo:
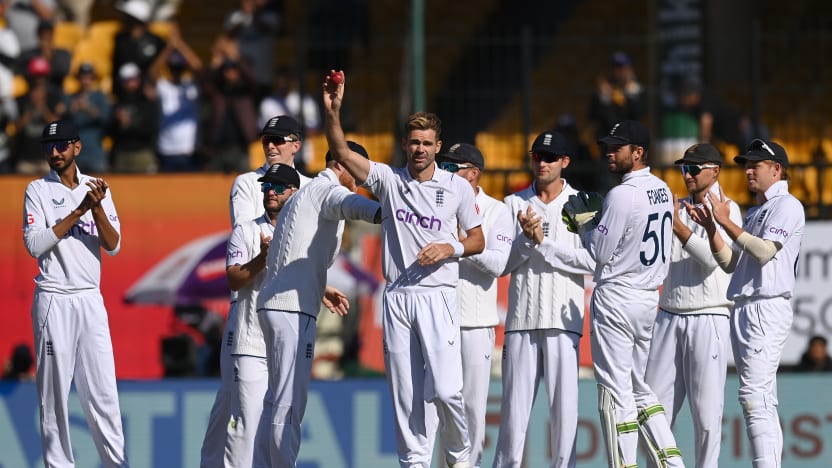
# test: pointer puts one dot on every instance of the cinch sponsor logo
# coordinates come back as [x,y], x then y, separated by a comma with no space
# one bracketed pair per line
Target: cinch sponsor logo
[235,254]
[602,229]
[433,223]
[81,229]
[506,239]
[113,218]
[778,231]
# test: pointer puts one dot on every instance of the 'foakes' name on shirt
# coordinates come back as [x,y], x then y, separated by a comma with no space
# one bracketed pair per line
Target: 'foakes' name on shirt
[631,245]
[414,214]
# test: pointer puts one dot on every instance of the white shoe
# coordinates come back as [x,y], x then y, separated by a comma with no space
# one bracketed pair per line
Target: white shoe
[462,464]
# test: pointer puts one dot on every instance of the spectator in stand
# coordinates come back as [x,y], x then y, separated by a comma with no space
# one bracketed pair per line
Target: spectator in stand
[9,52]
[134,43]
[23,17]
[59,59]
[134,124]
[233,125]
[619,96]
[719,121]
[77,11]
[256,27]
[287,99]
[816,358]
[19,367]
[179,104]
[41,104]
[89,109]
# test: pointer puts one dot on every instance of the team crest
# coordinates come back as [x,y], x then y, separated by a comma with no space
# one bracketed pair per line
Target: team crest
[440,198]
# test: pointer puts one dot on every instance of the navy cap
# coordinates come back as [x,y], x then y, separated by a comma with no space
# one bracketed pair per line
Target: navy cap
[701,153]
[59,130]
[464,153]
[551,142]
[763,150]
[282,125]
[628,132]
[354,147]
[281,174]
[619,58]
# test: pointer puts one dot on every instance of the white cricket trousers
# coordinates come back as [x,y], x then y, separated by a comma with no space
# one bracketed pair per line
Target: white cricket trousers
[249,384]
[621,328]
[72,342]
[290,349]
[216,434]
[423,362]
[759,329]
[689,358]
[528,356]
[477,347]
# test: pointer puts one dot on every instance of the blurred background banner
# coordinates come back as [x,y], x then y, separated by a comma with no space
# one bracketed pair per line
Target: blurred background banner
[349,424]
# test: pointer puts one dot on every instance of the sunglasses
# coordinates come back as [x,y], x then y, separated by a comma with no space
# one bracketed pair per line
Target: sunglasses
[453,167]
[546,157]
[61,146]
[277,140]
[278,189]
[695,169]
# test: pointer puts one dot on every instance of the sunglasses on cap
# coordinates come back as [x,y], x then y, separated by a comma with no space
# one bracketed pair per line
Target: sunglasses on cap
[454,166]
[277,140]
[278,189]
[760,144]
[61,146]
[546,157]
[695,169]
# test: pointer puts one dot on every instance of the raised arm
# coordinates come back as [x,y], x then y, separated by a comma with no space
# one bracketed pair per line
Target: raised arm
[333,95]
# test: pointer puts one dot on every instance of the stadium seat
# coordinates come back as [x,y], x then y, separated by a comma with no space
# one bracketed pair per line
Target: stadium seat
[67,34]
[104,30]
[19,86]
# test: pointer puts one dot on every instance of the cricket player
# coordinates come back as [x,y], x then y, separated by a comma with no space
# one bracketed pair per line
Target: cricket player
[545,310]
[477,292]
[68,218]
[281,137]
[306,240]
[245,263]
[689,352]
[763,258]
[423,210]
[630,241]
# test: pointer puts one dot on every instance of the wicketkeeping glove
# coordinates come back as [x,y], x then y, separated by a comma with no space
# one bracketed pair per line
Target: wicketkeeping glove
[582,211]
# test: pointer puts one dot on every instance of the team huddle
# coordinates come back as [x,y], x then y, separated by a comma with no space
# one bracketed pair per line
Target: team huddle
[676,281]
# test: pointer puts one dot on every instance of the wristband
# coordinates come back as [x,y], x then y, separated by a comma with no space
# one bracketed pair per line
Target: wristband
[459,249]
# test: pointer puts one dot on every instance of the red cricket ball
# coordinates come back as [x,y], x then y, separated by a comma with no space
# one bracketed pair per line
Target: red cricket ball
[337,77]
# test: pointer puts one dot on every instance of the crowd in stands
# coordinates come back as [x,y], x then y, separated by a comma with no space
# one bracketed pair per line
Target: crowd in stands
[152,104]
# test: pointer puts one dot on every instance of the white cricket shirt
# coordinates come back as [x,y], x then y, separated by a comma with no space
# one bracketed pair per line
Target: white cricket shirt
[246,200]
[631,244]
[547,282]
[244,245]
[414,214]
[72,263]
[476,292]
[780,219]
[695,284]
[305,242]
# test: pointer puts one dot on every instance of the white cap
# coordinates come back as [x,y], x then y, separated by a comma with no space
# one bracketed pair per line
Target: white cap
[129,71]
[139,9]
